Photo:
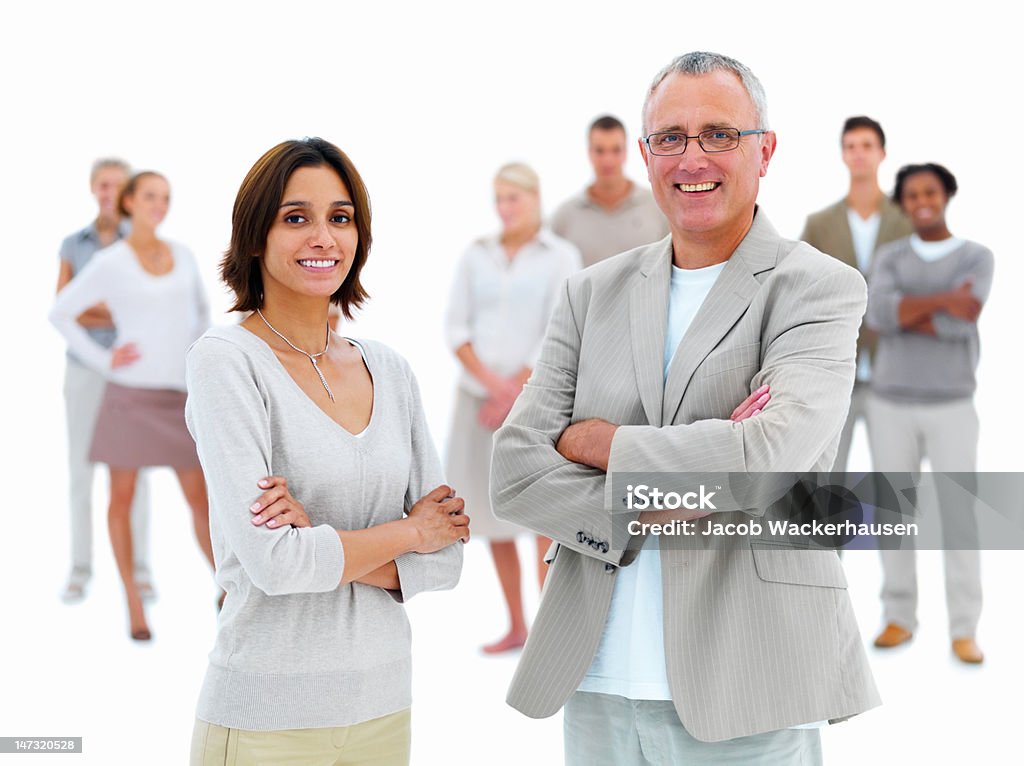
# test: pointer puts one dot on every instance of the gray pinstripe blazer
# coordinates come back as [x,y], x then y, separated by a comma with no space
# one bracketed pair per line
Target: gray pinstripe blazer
[757,637]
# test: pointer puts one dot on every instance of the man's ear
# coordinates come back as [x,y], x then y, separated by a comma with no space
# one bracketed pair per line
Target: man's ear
[769,143]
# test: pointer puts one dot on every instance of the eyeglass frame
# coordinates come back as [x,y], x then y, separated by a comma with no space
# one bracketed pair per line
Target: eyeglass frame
[686,140]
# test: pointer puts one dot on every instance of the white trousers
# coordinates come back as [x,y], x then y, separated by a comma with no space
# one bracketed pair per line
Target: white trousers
[83,392]
[902,435]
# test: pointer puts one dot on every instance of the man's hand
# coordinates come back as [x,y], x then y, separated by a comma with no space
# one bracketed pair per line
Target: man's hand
[752,405]
[748,408]
[588,442]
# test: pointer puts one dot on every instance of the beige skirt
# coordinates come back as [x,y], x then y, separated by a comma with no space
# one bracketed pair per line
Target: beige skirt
[469,466]
[141,427]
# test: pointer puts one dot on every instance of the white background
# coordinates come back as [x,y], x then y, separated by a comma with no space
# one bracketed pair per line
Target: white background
[428,100]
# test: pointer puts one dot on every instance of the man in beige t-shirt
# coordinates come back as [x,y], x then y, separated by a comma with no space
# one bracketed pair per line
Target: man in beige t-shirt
[612,214]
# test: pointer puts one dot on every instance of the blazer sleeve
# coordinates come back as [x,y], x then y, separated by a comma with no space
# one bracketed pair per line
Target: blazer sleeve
[531,483]
[809,345]
[440,570]
[809,235]
[227,416]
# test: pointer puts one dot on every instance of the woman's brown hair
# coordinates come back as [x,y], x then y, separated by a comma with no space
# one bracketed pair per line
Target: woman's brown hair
[256,206]
[129,189]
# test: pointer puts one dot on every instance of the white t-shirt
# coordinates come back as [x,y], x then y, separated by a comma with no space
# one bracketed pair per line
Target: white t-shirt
[162,315]
[864,233]
[630,660]
[933,251]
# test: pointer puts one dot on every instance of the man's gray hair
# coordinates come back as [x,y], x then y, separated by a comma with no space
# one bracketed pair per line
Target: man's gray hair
[702,62]
[109,162]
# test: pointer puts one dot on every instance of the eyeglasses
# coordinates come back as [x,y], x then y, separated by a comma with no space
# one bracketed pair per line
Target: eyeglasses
[712,140]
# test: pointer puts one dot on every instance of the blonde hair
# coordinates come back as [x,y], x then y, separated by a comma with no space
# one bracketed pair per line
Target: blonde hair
[519,174]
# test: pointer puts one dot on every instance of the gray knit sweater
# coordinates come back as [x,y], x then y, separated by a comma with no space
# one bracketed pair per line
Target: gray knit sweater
[911,366]
[294,649]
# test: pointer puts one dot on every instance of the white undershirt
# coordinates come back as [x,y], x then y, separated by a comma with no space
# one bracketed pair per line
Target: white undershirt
[630,660]
[864,233]
[933,251]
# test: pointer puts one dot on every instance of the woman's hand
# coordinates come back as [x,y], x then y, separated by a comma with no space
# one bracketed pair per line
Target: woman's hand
[493,413]
[124,355]
[504,391]
[277,507]
[439,520]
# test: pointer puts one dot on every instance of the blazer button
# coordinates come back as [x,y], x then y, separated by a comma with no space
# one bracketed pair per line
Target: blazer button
[609,567]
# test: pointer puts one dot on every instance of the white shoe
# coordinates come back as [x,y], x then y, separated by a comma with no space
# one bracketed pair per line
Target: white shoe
[75,590]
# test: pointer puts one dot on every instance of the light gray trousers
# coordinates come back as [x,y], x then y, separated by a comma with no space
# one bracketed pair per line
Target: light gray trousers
[858,410]
[901,436]
[607,730]
[83,392]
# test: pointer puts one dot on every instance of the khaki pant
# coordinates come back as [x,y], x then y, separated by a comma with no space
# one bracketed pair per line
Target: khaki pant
[902,435]
[382,741]
[608,730]
[858,411]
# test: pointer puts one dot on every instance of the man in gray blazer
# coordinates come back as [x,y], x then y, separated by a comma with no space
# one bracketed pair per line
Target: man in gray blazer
[705,652]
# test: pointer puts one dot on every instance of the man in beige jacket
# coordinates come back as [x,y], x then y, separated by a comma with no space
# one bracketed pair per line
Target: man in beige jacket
[851,230]
[707,652]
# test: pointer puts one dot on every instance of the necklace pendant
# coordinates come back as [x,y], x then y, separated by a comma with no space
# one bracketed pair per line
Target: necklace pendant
[322,378]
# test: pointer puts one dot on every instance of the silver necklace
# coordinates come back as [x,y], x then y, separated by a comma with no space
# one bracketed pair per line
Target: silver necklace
[312,357]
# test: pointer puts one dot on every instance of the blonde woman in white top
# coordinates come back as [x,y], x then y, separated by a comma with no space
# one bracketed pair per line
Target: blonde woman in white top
[504,290]
[155,296]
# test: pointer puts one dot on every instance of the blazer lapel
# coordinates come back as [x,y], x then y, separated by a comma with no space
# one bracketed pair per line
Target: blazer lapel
[893,224]
[844,237]
[648,313]
[725,304]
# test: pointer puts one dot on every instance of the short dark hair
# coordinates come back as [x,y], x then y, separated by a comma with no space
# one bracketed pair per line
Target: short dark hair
[606,122]
[256,207]
[947,179]
[854,123]
[129,189]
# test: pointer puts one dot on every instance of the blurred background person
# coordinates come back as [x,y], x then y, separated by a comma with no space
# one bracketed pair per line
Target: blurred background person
[504,290]
[612,214]
[925,295]
[83,388]
[155,296]
[341,424]
[852,230]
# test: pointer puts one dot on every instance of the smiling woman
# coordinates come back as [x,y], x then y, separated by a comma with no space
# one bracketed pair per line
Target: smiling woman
[156,300]
[327,503]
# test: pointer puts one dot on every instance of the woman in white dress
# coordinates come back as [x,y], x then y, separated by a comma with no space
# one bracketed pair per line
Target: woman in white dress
[503,294]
